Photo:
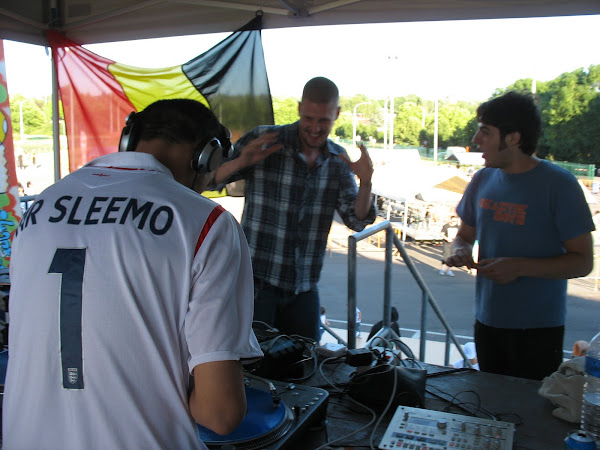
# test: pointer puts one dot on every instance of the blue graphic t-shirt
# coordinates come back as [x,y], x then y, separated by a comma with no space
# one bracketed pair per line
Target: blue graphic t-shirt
[528,214]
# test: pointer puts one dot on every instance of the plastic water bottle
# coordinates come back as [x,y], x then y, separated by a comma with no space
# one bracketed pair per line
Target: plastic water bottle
[590,415]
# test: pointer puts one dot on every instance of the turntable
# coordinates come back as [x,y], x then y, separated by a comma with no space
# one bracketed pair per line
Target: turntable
[277,414]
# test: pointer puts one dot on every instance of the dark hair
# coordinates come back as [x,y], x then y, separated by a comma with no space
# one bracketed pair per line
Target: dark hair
[514,111]
[320,90]
[181,120]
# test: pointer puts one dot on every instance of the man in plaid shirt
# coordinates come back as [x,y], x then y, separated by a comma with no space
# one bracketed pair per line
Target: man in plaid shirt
[295,180]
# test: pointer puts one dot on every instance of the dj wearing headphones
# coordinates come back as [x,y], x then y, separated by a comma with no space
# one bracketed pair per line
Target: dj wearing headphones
[131,297]
[172,124]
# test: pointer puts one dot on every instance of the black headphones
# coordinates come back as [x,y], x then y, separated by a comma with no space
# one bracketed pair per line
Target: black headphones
[209,154]
[129,135]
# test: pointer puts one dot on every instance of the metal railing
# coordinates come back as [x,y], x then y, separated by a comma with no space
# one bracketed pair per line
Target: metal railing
[27,201]
[427,299]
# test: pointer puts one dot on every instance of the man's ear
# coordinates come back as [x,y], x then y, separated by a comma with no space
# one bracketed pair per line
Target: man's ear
[513,139]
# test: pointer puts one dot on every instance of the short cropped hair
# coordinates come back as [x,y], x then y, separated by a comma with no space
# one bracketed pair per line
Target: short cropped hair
[514,112]
[320,90]
[181,120]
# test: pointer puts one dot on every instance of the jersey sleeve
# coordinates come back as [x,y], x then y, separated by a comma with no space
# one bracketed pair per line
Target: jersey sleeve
[218,324]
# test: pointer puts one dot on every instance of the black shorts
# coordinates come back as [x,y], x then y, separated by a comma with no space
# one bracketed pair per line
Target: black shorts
[532,353]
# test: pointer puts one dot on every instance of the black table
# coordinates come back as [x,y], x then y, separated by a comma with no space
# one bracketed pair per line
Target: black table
[509,399]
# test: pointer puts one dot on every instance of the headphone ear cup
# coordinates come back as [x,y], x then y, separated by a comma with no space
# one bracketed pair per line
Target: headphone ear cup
[208,157]
[129,135]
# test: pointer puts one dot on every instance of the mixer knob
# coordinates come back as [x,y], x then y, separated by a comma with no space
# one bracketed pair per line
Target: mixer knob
[442,424]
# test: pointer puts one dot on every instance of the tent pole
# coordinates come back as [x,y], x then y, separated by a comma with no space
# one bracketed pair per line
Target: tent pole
[55,122]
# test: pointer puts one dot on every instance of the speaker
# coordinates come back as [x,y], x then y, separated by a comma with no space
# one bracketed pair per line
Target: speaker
[375,386]
[207,157]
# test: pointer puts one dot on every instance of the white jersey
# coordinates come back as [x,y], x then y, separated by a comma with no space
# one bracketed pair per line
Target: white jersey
[123,280]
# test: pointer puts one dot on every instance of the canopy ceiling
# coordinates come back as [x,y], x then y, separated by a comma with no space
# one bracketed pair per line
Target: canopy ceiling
[94,21]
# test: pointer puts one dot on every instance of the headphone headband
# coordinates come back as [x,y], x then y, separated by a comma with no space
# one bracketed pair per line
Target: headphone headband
[207,157]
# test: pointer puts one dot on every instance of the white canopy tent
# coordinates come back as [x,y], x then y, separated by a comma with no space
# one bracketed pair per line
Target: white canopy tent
[94,21]
[468,158]
[409,187]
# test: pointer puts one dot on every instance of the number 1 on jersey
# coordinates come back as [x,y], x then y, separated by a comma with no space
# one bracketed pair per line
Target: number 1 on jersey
[70,263]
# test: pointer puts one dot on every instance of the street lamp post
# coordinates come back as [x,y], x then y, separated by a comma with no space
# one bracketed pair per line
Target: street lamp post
[354,122]
[435,131]
[391,124]
[385,123]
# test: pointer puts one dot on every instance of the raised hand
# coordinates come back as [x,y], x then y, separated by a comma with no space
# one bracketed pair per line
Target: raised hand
[258,149]
[363,167]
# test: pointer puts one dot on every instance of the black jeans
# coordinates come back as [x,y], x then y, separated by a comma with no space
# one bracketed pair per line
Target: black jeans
[531,353]
[288,312]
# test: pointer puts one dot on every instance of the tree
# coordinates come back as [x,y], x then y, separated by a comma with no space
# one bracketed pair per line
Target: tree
[285,110]
[569,106]
[453,125]
[37,118]
[343,125]
[569,113]
[408,123]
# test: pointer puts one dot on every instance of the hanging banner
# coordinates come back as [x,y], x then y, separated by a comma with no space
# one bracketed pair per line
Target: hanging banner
[97,94]
[10,212]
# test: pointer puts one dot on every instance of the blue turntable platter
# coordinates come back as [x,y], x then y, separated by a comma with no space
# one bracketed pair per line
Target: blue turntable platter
[262,420]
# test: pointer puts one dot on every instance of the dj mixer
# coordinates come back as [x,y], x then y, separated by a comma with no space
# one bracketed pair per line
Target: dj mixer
[415,428]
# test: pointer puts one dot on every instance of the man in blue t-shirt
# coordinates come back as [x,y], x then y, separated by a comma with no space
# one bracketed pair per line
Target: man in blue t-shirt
[533,226]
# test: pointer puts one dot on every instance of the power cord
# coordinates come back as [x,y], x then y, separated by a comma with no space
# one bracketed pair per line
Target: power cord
[401,346]
[384,412]
[386,362]
[463,405]
[310,346]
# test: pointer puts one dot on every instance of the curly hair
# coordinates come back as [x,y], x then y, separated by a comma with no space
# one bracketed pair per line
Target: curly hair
[514,112]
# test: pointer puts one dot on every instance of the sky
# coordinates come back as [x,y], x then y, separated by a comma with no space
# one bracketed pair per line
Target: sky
[455,60]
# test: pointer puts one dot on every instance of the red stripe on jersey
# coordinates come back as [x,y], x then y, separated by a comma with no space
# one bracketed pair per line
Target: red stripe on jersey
[129,168]
[212,218]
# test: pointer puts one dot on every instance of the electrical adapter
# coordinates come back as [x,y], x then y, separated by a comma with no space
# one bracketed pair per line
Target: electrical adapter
[358,357]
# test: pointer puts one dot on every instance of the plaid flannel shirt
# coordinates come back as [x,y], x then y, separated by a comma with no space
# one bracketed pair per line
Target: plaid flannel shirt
[289,209]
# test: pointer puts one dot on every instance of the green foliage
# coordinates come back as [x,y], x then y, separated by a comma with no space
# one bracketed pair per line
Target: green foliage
[570,106]
[455,124]
[408,123]
[570,111]
[285,110]
[37,115]
[343,126]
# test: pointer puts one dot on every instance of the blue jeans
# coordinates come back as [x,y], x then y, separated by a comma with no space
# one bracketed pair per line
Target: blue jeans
[288,312]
